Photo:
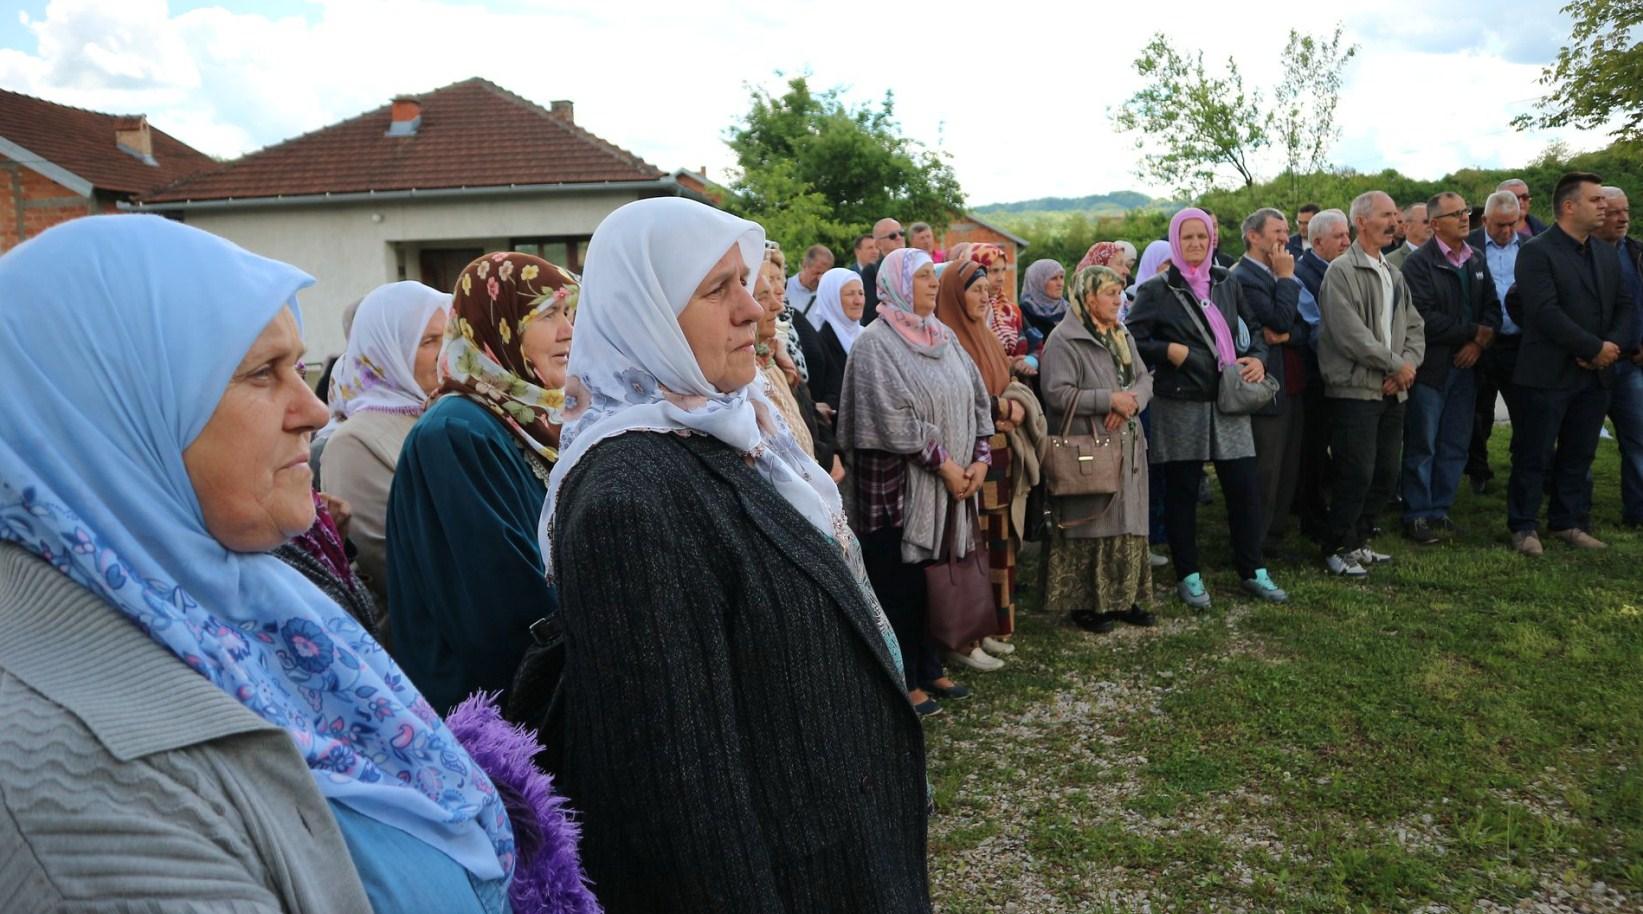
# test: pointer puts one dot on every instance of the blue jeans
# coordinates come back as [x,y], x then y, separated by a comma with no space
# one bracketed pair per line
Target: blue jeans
[1437,430]
[1556,443]
[1626,409]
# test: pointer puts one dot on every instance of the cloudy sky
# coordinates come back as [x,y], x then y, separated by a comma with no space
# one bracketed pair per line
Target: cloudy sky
[1018,98]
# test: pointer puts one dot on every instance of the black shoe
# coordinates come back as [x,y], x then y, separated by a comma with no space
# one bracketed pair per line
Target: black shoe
[1420,531]
[927,707]
[955,693]
[1092,621]
[1137,616]
[1480,485]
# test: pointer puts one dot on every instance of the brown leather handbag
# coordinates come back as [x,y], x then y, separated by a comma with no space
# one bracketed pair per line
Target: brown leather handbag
[960,590]
[1082,464]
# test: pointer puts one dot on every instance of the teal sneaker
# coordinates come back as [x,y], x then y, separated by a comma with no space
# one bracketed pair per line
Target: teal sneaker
[1191,591]
[1261,585]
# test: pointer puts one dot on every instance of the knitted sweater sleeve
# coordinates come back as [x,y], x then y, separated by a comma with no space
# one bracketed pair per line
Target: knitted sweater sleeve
[649,694]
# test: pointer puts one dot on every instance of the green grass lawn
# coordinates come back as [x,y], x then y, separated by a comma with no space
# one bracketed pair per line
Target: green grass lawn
[1461,732]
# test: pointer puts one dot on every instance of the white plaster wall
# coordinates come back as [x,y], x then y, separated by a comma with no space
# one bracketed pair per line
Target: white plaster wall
[349,253]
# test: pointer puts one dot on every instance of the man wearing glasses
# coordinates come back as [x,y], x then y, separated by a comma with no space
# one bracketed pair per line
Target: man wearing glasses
[887,236]
[1452,288]
[1626,405]
[1528,226]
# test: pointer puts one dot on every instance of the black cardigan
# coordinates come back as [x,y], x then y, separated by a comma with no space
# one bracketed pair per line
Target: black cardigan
[735,736]
[1159,317]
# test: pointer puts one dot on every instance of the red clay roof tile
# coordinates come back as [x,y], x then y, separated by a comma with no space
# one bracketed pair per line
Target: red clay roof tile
[82,142]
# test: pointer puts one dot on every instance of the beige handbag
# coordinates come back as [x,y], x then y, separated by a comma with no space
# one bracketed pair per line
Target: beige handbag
[1082,464]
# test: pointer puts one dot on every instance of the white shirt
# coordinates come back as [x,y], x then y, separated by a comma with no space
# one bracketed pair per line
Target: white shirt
[1388,290]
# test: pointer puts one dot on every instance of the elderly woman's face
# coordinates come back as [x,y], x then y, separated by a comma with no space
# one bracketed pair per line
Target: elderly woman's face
[764,293]
[721,324]
[976,298]
[427,351]
[546,345]
[853,299]
[1056,285]
[249,466]
[1194,241]
[925,285]
[1103,304]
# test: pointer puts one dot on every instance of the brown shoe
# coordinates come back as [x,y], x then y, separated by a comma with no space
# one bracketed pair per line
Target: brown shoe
[1527,542]
[1579,539]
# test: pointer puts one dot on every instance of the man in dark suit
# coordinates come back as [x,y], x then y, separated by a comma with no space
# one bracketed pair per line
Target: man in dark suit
[1626,404]
[1267,274]
[1449,283]
[1575,321]
[1299,243]
[1330,236]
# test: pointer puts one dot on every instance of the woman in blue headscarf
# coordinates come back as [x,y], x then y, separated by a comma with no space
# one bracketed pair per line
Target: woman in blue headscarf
[189,720]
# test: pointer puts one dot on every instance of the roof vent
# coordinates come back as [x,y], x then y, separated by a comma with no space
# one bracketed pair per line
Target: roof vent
[406,117]
[563,109]
[132,137]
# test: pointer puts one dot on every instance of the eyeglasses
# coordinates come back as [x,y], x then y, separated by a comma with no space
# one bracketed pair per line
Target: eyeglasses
[890,237]
[1523,196]
[1458,212]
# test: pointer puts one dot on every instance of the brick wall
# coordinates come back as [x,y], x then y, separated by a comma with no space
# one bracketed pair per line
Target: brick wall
[30,203]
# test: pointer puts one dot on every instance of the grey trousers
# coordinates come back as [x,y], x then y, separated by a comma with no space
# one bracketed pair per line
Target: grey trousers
[1278,463]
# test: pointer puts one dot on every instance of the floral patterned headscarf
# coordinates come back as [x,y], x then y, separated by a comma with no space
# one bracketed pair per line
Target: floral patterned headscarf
[496,298]
[1100,254]
[926,335]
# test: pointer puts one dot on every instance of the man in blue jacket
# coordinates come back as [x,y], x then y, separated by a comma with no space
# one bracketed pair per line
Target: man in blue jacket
[1449,283]
[1267,274]
[1626,406]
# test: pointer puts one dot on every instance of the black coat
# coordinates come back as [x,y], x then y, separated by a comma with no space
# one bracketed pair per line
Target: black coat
[1294,246]
[1275,305]
[736,736]
[1160,317]
[1573,301]
[825,357]
[870,285]
[1452,319]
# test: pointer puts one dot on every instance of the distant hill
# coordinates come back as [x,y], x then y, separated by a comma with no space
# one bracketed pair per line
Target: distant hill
[1114,204]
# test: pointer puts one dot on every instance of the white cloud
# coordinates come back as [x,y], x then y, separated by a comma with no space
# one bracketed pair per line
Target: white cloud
[1018,98]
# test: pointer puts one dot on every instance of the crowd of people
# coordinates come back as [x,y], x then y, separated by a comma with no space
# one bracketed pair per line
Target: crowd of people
[699,533]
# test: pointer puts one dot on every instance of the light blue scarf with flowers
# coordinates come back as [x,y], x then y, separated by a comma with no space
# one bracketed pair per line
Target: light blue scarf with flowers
[118,335]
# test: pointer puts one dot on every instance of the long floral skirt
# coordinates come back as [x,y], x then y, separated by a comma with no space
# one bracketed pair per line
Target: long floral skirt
[1109,574]
[995,527]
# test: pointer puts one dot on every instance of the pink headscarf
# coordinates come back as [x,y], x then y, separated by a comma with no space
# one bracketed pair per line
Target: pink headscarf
[1198,280]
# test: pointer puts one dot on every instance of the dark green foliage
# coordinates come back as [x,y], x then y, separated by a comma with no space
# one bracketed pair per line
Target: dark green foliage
[816,171]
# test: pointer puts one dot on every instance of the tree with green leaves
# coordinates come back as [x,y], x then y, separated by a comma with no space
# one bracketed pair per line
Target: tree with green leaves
[1192,127]
[813,170]
[1598,77]
[1305,101]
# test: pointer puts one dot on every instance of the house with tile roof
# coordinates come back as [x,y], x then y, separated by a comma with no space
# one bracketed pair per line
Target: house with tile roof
[59,162]
[415,189]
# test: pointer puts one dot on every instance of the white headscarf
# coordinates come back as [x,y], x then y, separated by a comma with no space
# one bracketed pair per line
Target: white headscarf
[377,371]
[829,310]
[632,370]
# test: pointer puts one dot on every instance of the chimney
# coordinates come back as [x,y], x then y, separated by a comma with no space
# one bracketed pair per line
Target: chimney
[406,116]
[563,109]
[131,136]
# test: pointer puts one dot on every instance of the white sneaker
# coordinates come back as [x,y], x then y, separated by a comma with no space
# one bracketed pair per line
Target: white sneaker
[1156,560]
[1345,564]
[996,647]
[977,660]
[1366,556]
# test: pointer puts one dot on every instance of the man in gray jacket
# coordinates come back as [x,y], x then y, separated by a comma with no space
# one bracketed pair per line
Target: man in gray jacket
[1372,341]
